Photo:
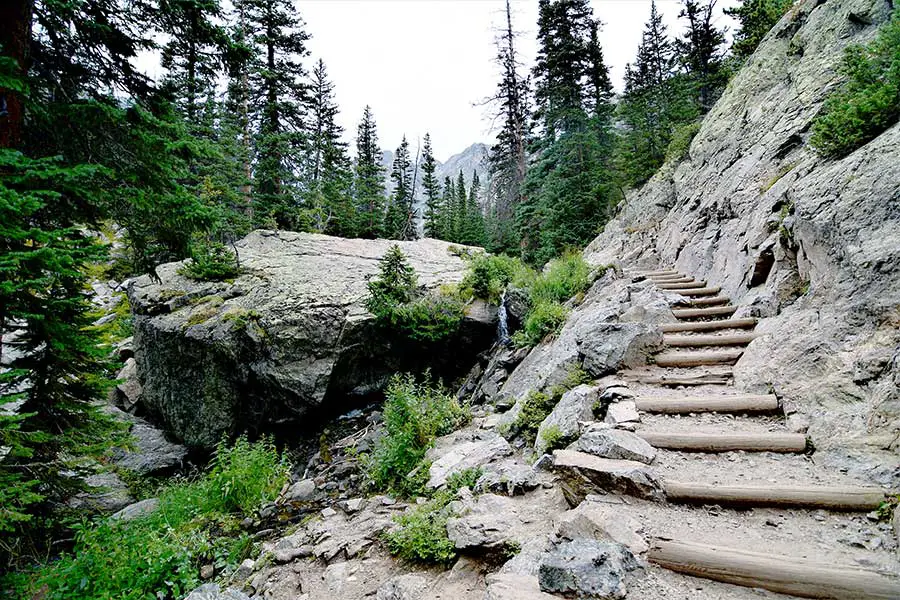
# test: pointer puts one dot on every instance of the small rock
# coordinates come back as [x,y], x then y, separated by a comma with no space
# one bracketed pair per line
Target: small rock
[403,587]
[302,491]
[585,474]
[467,455]
[244,571]
[207,572]
[211,591]
[587,568]
[328,512]
[615,443]
[137,510]
[602,522]
[621,413]
[353,505]
[507,477]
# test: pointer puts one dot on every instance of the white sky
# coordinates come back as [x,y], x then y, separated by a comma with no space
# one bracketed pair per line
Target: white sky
[425,65]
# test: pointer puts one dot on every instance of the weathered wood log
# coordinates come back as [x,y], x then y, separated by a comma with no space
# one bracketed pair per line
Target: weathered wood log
[688,380]
[784,574]
[697,359]
[700,313]
[846,498]
[726,442]
[702,404]
[687,284]
[664,278]
[710,301]
[700,341]
[708,325]
[659,272]
[700,291]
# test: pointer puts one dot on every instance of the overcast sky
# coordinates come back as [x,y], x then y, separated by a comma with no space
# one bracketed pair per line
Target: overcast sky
[426,65]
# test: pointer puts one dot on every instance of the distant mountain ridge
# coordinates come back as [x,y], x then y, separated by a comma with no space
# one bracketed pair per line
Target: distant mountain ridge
[472,159]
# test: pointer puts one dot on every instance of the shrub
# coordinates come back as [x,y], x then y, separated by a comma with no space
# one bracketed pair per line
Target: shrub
[562,278]
[489,275]
[681,141]
[415,413]
[395,284]
[535,409]
[158,556]
[869,102]
[543,319]
[211,261]
[553,438]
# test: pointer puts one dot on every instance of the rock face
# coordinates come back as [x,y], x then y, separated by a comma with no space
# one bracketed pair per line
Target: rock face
[809,244]
[575,405]
[288,337]
[587,569]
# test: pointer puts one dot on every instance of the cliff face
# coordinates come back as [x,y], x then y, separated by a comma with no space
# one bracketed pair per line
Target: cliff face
[810,245]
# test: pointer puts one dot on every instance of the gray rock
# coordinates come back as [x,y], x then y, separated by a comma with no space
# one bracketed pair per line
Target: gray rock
[301,491]
[487,523]
[244,571]
[583,474]
[505,586]
[895,522]
[404,587]
[575,405]
[507,477]
[622,413]
[211,591]
[603,522]
[137,510]
[108,494]
[288,335]
[451,459]
[587,569]
[611,346]
[152,453]
[127,394]
[616,444]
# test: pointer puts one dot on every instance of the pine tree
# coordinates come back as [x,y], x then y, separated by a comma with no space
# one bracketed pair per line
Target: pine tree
[368,181]
[278,95]
[460,211]
[700,50]
[506,161]
[328,182]
[756,17]
[475,232]
[432,189]
[399,223]
[448,209]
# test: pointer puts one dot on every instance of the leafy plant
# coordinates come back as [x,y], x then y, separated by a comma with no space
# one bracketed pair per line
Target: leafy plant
[211,261]
[553,438]
[535,409]
[869,102]
[489,275]
[415,413]
[545,318]
[681,140]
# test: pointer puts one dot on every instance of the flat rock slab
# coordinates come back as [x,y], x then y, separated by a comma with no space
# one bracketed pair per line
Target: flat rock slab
[575,405]
[587,569]
[584,474]
[467,455]
[616,444]
[602,522]
[622,413]
[486,523]
[507,477]
[404,587]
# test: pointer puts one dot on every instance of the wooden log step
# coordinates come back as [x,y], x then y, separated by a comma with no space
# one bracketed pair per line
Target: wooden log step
[726,442]
[846,498]
[688,380]
[664,278]
[702,313]
[700,291]
[687,284]
[783,574]
[700,341]
[701,404]
[710,301]
[659,272]
[697,359]
[708,325]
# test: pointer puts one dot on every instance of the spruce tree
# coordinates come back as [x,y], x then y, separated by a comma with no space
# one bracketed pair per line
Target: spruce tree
[400,223]
[368,179]
[461,210]
[432,189]
[700,50]
[756,18]
[448,209]
[475,232]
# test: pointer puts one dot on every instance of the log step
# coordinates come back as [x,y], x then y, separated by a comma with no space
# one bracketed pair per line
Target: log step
[700,291]
[846,498]
[697,359]
[726,442]
[688,380]
[681,285]
[669,278]
[660,272]
[708,325]
[700,313]
[719,404]
[709,301]
[783,574]
[700,341]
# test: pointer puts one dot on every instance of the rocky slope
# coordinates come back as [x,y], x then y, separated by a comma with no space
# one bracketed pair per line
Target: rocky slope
[811,245]
[288,337]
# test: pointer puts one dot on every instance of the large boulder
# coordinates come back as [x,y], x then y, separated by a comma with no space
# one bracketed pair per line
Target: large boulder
[587,569]
[562,423]
[288,338]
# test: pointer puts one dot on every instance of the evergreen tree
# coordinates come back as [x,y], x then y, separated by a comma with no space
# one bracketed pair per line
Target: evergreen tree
[700,50]
[278,95]
[756,18]
[400,221]
[506,161]
[474,231]
[368,180]
[460,210]
[329,202]
[432,189]
[447,217]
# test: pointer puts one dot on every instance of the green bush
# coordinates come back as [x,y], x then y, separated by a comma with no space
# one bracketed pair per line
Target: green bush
[562,278]
[535,409]
[869,102]
[415,413]
[211,261]
[543,319]
[553,438]
[681,141]
[159,555]
[489,275]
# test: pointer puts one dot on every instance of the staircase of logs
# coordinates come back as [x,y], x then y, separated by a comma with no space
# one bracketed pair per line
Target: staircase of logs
[700,348]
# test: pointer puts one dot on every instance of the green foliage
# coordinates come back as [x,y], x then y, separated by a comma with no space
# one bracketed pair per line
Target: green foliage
[535,409]
[869,102]
[159,555]
[415,413]
[543,319]
[211,261]
[395,284]
[681,140]
[886,509]
[553,438]
[489,275]
[756,18]
[120,327]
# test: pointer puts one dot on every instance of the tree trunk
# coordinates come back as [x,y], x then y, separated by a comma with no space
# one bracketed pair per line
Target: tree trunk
[15,37]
